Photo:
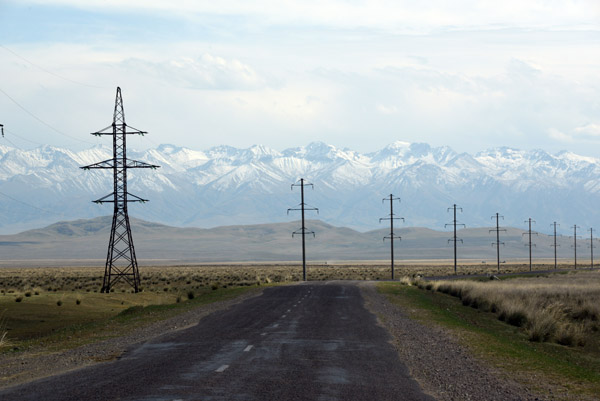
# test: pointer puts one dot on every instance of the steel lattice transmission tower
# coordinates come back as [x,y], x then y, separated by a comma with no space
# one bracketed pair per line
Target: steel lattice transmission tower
[121,263]
[392,235]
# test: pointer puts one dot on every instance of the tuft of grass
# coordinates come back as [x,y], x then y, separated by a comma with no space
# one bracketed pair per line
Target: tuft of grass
[560,308]
[190,294]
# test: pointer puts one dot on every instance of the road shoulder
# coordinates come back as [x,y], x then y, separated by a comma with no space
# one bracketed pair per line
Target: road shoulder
[443,367]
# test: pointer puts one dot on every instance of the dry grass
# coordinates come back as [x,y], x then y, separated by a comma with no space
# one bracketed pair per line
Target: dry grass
[563,308]
[180,279]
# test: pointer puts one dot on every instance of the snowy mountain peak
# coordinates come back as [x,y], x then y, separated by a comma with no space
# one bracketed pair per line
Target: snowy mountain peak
[228,185]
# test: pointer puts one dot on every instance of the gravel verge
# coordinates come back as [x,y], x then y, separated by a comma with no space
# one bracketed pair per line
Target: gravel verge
[35,364]
[444,368]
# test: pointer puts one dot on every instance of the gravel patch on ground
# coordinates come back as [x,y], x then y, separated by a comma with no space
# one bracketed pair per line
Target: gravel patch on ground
[444,368]
[35,364]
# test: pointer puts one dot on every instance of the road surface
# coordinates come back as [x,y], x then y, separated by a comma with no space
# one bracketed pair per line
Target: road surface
[311,341]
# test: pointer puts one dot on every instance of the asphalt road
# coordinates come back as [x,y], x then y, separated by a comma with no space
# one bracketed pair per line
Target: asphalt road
[312,341]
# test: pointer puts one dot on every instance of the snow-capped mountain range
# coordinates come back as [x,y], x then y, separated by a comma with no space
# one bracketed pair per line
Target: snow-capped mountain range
[229,186]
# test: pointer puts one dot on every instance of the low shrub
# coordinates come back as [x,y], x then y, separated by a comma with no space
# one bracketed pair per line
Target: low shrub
[541,327]
[132,310]
[570,334]
[516,318]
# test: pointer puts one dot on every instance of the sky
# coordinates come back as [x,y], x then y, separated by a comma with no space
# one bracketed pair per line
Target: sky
[359,74]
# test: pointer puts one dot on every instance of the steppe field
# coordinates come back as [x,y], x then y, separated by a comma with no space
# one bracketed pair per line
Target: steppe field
[39,302]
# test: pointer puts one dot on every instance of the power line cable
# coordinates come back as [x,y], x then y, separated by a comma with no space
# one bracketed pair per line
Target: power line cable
[12,143]
[13,133]
[30,205]
[42,121]
[48,71]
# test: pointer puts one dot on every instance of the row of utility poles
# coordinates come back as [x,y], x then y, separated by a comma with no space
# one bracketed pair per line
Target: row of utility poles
[303,231]
[554,225]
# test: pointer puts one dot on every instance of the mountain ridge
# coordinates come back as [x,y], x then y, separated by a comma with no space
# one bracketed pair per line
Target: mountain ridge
[225,185]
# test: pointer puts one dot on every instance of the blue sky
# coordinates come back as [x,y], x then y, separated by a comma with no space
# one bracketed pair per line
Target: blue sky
[358,74]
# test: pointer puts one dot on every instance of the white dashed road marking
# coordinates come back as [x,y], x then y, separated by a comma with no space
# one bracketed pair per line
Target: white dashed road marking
[222,368]
[248,348]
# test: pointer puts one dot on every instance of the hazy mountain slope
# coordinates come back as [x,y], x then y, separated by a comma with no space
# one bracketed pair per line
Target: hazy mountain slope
[86,241]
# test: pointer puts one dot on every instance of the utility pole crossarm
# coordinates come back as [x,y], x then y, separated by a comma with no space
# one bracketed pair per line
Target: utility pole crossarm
[125,132]
[110,163]
[303,231]
[106,164]
[305,208]
[111,198]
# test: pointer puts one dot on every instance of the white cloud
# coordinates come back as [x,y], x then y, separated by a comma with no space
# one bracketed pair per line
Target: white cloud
[591,131]
[205,72]
[393,15]
[559,136]
[383,109]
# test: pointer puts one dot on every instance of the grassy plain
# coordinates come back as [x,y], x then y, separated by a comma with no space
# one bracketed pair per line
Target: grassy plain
[38,304]
[63,307]
[564,365]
